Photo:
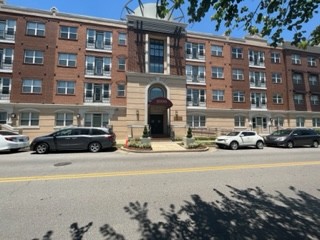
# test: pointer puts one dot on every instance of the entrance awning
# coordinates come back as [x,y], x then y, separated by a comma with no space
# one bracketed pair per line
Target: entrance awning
[161,101]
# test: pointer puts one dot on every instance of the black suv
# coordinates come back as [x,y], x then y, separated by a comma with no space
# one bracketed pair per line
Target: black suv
[293,137]
[75,138]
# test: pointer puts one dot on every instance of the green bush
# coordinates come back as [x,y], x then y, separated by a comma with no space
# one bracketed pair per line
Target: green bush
[145,133]
[189,133]
[195,145]
[138,144]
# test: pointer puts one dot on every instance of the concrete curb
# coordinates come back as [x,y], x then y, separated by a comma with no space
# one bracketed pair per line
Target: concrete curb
[164,151]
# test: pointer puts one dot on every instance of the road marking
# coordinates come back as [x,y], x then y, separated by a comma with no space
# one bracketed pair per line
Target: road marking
[155,171]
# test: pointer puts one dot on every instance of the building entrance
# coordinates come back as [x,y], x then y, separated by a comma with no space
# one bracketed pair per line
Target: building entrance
[156,124]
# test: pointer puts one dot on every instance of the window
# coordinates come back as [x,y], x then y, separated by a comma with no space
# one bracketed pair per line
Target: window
[31,86]
[277,98]
[64,119]
[122,39]
[35,29]
[196,97]
[237,52]
[3,117]
[7,29]
[97,93]
[238,96]
[296,59]
[196,121]
[218,95]
[256,58]
[297,78]
[278,121]
[314,99]
[121,90]
[276,77]
[216,50]
[239,121]
[313,80]
[257,79]
[312,62]
[217,72]
[33,57]
[67,59]
[237,74]
[195,51]
[315,122]
[96,120]
[155,92]
[122,63]
[156,57]
[6,58]
[70,33]
[258,100]
[275,57]
[195,74]
[65,87]
[298,99]
[5,88]
[300,121]
[98,66]
[29,119]
[99,40]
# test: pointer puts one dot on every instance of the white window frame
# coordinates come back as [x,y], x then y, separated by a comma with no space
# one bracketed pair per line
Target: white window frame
[89,92]
[63,119]
[104,120]
[237,52]
[91,63]
[8,29]
[36,29]
[314,99]
[92,40]
[69,32]
[32,86]
[275,57]
[256,58]
[67,59]
[257,79]
[237,74]
[33,57]
[298,99]
[196,121]
[296,59]
[196,97]
[122,63]
[195,74]
[313,80]
[316,122]
[312,61]
[122,38]
[217,72]
[5,88]
[277,98]
[217,50]
[238,97]
[195,51]
[239,121]
[297,78]
[276,77]
[300,121]
[121,90]
[217,95]
[66,87]
[29,119]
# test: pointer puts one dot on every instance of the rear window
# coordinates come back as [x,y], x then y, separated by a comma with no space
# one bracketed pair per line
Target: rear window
[98,132]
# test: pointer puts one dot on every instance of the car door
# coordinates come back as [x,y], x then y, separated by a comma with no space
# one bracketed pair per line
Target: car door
[62,140]
[245,138]
[298,137]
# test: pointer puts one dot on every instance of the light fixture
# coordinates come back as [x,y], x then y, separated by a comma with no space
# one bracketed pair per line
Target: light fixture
[78,115]
[13,115]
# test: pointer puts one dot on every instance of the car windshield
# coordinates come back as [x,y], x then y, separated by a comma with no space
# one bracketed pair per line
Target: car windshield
[282,132]
[233,133]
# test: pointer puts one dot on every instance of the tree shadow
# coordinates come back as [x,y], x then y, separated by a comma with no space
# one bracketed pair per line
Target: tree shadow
[241,214]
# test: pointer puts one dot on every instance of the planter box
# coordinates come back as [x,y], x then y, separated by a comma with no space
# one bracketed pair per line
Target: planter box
[187,141]
[145,140]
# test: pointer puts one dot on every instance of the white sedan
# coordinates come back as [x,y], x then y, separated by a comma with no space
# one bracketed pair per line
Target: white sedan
[12,141]
[237,139]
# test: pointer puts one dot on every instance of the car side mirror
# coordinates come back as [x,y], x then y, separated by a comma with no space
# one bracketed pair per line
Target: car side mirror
[241,135]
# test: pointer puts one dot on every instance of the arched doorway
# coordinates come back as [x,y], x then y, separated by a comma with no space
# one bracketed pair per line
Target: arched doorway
[158,114]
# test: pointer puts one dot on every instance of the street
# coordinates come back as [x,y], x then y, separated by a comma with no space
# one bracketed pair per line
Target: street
[273,193]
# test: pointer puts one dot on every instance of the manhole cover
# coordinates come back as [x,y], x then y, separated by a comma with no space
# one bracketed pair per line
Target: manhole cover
[62,164]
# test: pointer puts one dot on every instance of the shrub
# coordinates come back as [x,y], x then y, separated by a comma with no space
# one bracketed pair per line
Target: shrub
[145,133]
[189,133]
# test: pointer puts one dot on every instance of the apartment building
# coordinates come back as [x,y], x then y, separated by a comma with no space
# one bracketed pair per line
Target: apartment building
[59,69]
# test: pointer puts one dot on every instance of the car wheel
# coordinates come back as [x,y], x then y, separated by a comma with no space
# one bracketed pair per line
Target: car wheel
[94,147]
[234,145]
[42,148]
[315,144]
[289,144]
[260,145]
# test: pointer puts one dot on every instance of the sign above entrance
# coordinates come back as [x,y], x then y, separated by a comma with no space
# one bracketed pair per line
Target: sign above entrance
[162,101]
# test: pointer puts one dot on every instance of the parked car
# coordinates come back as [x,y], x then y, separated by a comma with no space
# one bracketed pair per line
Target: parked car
[75,138]
[293,137]
[237,139]
[13,141]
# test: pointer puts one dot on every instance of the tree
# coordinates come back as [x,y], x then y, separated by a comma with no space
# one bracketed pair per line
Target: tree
[262,17]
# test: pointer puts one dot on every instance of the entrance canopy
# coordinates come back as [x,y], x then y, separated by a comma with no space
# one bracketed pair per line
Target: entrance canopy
[161,101]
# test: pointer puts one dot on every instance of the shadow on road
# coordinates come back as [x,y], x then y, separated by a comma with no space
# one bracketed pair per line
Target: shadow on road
[241,214]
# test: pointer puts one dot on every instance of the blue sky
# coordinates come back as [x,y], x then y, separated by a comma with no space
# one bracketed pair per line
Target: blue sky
[113,9]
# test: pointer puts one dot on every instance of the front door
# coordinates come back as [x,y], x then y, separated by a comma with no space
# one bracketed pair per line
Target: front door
[156,124]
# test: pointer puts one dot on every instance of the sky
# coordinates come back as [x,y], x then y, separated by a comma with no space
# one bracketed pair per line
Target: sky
[114,9]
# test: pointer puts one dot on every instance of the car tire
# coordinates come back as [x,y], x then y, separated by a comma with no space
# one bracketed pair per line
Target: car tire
[315,144]
[234,145]
[260,145]
[42,148]
[94,147]
[290,144]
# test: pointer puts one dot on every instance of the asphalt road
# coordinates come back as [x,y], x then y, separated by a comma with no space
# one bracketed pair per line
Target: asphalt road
[272,193]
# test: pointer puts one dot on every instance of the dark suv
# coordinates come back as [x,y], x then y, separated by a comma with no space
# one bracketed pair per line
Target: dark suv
[294,137]
[75,138]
